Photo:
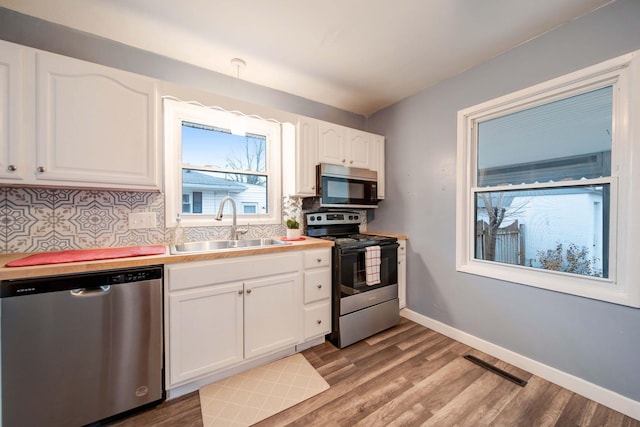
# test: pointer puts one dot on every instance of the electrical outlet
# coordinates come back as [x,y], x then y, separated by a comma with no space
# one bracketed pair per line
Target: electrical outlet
[142,220]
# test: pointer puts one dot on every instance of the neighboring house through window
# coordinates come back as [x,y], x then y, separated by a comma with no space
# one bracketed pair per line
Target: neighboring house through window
[545,185]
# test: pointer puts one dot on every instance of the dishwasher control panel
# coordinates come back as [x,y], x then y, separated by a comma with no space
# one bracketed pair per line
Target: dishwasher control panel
[93,280]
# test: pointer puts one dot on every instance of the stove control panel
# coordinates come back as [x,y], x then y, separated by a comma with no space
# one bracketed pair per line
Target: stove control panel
[334,218]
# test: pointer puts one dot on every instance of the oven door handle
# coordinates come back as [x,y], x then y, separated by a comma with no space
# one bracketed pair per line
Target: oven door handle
[363,250]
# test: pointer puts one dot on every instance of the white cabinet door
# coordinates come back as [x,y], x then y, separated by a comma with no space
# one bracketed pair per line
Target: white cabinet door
[317,319]
[358,149]
[300,156]
[331,143]
[205,330]
[13,126]
[317,285]
[272,313]
[96,126]
[402,272]
[377,149]
[307,157]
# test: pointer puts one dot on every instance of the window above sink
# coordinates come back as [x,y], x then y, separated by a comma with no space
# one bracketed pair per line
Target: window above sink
[211,154]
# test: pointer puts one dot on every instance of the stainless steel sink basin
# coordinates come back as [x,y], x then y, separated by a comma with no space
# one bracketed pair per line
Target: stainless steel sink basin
[223,245]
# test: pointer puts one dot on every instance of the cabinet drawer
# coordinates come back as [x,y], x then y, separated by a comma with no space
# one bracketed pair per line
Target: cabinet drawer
[317,285]
[317,258]
[317,319]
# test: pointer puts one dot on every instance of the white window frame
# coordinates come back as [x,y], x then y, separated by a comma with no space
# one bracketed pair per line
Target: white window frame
[175,113]
[622,286]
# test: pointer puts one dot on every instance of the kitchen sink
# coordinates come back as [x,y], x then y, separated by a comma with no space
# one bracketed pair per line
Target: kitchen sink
[224,245]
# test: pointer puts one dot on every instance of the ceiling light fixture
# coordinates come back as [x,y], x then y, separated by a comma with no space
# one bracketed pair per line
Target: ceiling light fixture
[238,64]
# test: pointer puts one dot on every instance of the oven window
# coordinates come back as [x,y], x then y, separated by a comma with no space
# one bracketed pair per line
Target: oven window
[353,274]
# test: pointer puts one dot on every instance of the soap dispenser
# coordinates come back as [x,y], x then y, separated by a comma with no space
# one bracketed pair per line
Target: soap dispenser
[178,232]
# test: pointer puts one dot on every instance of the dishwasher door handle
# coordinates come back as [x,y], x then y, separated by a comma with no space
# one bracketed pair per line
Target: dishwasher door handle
[90,292]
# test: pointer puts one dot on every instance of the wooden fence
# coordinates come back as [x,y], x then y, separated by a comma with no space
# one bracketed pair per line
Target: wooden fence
[509,243]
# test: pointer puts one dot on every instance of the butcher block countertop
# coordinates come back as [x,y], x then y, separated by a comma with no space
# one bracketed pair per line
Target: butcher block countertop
[166,258]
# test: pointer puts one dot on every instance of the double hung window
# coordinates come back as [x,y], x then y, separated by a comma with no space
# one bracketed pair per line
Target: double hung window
[212,154]
[545,185]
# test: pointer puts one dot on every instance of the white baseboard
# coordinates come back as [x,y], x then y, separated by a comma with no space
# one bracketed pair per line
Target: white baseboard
[589,390]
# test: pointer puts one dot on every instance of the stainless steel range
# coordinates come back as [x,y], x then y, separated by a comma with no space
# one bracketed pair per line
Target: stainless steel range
[364,278]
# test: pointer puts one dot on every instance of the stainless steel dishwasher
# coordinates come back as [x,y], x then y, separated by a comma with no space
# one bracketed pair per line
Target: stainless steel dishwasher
[80,348]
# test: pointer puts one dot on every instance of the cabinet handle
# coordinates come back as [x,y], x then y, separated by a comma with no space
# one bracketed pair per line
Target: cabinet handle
[240,292]
[12,168]
[41,169]
[319,286]
[248,291]
[318,321]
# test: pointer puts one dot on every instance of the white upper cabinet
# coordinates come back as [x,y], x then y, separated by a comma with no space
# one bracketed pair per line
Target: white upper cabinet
[96,126]
[358,149]
[378,162]
[340,145]
[300,157]
[331,143]
[70,123]
[13,96]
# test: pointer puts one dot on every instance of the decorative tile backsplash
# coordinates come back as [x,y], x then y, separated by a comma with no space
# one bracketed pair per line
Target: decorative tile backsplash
[44,220]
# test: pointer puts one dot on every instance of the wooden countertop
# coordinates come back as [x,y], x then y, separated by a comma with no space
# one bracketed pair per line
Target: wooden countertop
[167,258]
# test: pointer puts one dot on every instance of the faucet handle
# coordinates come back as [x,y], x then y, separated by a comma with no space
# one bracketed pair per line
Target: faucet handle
[242,231]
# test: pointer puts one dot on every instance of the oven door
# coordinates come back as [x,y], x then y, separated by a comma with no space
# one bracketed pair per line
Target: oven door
[347,187]
[351,274]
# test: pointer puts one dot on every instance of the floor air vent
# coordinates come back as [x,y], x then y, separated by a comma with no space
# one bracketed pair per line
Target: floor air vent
[496,371]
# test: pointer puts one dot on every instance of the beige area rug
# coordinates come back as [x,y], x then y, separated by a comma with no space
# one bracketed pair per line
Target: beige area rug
[254,395]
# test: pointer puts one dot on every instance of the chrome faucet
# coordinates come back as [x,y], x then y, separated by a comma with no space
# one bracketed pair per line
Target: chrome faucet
[235,231]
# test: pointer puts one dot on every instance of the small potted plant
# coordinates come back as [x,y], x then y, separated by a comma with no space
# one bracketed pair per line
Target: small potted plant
[293,229]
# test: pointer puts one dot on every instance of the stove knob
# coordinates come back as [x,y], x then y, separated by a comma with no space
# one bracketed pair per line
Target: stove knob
[318,218]
[356,217]
[312,218]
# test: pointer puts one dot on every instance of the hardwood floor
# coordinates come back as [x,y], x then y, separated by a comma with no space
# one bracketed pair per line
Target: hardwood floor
[408,376]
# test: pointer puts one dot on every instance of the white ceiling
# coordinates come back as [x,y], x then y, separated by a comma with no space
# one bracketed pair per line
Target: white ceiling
[357,55]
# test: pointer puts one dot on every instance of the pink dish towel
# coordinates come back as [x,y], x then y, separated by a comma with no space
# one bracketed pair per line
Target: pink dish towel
[372,265]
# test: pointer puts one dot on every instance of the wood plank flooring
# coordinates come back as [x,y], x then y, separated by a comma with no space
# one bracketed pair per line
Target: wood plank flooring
[409,376]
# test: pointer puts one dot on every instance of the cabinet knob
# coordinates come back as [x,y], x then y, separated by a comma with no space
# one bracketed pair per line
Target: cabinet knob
[240,292]
[319,286]
[350,162]
[319,260]
[344,160]
[318,321]
[248,291]
[41,169]
[12,168]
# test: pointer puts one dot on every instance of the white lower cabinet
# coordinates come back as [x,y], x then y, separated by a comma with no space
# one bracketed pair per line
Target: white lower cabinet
[271,316]
[402,272]
[223,313]
[205,329]
[317,293]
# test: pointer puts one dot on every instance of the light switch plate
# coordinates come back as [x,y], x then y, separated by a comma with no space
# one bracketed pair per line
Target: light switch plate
[142,220]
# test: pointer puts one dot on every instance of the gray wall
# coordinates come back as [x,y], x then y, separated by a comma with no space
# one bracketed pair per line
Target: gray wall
[596,341]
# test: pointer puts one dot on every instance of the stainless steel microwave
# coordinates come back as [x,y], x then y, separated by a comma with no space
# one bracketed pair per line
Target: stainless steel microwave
[339,186]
